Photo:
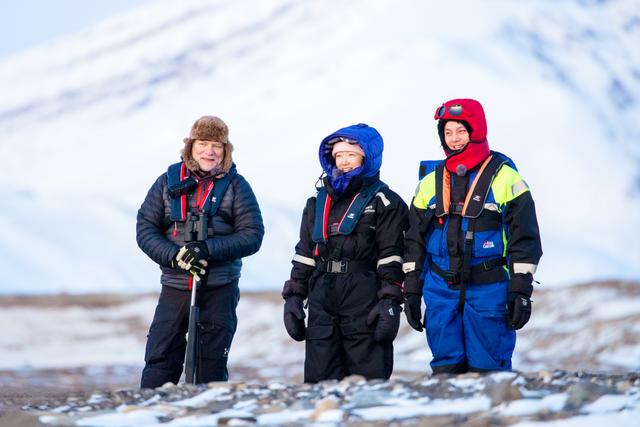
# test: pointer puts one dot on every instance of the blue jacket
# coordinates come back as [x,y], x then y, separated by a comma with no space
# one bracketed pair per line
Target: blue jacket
[235,231]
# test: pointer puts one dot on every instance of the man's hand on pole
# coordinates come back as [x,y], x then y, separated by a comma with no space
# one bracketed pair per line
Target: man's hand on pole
[193,258]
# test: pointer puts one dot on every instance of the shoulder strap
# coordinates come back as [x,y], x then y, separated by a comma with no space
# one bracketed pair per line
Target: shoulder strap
[443,190]
[178,182]
[323,205]
[220,187]
[479,189]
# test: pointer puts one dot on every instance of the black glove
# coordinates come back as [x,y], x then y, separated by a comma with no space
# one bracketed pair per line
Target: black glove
[519,300]
[193,258]
[519,310]
[413,310]
[387,312]
[294,318]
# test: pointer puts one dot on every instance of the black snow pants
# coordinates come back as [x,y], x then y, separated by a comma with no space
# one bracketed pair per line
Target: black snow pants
[338,341]
[166,343]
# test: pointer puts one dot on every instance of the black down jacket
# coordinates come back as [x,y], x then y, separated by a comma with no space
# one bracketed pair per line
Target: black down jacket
[235,231]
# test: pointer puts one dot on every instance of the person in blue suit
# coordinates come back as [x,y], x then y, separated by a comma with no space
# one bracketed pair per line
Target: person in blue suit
[348,263]
[472,248]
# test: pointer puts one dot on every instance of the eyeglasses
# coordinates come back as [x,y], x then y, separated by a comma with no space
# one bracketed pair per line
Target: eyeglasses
[454,110]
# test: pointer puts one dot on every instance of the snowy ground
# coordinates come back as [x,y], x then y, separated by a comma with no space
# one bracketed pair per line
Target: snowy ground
[60,353]
[546,398]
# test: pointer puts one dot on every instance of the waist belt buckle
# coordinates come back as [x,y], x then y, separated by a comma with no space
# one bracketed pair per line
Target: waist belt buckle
[337,266]
[451,277]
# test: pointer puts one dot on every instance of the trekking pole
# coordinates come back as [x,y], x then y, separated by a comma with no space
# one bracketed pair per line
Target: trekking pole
[191,354]
[199,232]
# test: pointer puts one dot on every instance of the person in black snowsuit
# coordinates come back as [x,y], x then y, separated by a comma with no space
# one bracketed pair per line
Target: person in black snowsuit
[348,263]
[203,186]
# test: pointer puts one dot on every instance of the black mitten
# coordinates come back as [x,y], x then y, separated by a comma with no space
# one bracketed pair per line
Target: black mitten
[294,318]
[387,313]
[413,310]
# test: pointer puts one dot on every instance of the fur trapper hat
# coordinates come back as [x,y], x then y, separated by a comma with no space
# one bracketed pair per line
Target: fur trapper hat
[208,128]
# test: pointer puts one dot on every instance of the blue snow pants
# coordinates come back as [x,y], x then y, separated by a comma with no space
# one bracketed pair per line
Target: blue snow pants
[476,339]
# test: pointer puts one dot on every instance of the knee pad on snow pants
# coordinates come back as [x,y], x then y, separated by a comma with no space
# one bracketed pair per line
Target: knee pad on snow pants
[166,344]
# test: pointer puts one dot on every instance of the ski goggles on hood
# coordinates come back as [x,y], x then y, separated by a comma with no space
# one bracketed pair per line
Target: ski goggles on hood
[328,145]
[454,110]
[465,110]
[341,139]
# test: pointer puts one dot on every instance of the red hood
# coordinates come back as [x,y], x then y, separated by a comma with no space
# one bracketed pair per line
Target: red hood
[471,112]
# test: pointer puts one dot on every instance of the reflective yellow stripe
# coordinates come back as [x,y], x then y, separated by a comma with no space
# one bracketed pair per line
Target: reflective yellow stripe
[304,260]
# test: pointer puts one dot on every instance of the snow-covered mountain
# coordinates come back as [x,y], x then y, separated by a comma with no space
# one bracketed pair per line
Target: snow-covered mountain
[89,121]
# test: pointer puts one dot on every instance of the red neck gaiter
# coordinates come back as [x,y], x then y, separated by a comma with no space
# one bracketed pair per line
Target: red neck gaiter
[468,158]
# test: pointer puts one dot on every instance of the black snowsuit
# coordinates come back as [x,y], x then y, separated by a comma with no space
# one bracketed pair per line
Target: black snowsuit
[235,231]
[338,340]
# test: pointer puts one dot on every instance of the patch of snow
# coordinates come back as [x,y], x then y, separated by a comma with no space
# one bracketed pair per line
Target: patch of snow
[618,419]
[607,403]
[138,418]
[550,403]
[218,393]
[433,407]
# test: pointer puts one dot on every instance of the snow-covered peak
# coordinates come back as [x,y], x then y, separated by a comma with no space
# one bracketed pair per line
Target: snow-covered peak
[89,121]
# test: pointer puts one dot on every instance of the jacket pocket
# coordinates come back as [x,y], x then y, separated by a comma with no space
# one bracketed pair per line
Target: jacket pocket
[319,332]
[488,244]
[215,340]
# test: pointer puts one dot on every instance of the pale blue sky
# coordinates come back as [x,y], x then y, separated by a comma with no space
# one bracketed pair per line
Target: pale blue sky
[27,23]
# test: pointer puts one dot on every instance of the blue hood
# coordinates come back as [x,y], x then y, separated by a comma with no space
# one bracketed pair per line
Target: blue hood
[369,140]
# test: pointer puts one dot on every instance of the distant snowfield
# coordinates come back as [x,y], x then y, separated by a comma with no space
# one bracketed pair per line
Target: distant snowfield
[88,122]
